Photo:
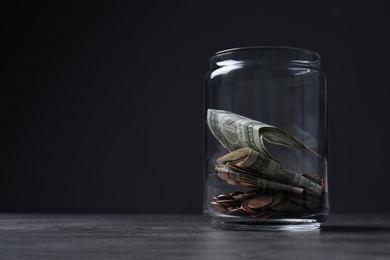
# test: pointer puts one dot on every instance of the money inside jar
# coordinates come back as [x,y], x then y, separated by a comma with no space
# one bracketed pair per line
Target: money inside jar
[271,189]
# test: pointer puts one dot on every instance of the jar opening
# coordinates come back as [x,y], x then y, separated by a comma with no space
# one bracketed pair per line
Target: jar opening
[270,54]
[267,48]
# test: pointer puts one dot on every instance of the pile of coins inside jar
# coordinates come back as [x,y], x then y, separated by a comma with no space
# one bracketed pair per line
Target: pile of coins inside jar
[256,203]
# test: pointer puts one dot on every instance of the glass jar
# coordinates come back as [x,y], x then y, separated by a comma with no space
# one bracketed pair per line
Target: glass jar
[265,139]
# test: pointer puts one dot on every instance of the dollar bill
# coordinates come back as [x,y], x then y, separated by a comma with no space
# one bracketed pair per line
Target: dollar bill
[235,131]
[230,175]
[249,161]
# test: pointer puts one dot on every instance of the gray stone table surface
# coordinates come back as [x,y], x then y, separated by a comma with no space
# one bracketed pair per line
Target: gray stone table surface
[149,236]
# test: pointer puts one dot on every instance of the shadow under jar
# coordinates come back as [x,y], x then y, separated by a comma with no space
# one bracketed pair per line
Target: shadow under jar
[265,139]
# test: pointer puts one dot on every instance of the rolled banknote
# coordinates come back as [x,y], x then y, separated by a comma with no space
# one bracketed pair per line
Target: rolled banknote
[234,131]
[231,175]
[252,162]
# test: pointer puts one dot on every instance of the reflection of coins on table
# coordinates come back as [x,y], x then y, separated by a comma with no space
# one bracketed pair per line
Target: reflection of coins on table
[260,202]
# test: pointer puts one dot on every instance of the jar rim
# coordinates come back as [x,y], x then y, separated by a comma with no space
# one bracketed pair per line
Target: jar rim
[267,48]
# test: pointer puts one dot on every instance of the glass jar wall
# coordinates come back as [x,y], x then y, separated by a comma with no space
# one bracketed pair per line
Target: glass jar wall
[265,139]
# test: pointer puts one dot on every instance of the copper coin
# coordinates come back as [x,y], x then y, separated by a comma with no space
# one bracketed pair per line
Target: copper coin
[246,208]
[225,197]
[218,207]
[246,195]
[229,202]
[236,211]
[241,197]
[235,193]
[260,202]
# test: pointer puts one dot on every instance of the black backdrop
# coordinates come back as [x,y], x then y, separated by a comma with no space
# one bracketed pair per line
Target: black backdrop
[102,101]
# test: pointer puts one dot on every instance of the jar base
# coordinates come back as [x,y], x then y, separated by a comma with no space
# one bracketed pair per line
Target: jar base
[280,224]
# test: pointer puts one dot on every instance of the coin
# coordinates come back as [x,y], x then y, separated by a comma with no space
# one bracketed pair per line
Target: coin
[224,197]
[246,195]
[236,211]
[218,207]
[229,202]
[235,193]
[246,208]
[260,202]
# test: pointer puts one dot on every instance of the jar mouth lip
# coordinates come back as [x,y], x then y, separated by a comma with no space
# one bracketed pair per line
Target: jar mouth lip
[267,48]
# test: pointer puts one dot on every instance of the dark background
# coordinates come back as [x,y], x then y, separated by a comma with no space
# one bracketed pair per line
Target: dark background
[101,102]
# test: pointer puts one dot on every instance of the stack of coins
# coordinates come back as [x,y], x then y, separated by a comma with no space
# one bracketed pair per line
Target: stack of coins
[256,203]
